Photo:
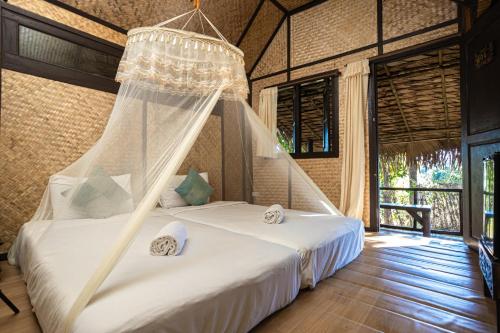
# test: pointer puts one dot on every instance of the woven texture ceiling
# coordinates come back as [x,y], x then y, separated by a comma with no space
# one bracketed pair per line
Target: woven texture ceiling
[229,16]
[419,104]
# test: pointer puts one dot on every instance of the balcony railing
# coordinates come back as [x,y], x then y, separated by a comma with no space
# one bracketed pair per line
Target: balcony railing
[446,216]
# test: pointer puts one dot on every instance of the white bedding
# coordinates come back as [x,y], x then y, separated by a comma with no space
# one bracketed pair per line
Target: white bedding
[221,281]
[325,243]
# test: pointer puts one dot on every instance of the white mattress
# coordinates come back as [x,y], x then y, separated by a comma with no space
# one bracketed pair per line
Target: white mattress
[324,242]
[221,281]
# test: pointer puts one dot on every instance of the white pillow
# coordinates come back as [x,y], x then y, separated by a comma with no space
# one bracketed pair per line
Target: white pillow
[63,210]
[169,198]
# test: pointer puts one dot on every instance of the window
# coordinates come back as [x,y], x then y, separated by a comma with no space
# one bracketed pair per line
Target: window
[38,46]
[308,117]
[43,47]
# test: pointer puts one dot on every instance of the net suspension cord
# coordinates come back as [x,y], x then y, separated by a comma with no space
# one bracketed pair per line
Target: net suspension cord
[201,15]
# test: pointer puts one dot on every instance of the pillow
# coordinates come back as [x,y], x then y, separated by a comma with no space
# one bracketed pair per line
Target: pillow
[169,198]
[194,189]
[89,201]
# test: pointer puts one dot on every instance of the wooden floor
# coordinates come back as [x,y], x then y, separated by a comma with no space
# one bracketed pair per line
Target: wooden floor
[400,283]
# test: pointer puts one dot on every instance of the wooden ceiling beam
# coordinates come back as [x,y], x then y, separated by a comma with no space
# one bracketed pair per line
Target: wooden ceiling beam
[418,140]
[398,102]
[443,91]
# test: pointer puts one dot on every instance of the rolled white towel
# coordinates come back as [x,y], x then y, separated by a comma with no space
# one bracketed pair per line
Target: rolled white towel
[170,240]
[274,214]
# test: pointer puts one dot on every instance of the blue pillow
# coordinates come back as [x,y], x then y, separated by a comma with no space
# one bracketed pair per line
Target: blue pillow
[194,189]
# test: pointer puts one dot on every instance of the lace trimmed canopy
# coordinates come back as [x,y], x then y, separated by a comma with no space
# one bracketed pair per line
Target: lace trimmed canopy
[182,62]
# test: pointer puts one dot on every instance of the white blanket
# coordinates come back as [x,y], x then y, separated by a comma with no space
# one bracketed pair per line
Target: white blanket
[325,243]
[229,288]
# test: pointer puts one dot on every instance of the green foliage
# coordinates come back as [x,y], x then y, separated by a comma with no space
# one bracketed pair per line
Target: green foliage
[445,205]
[285,142]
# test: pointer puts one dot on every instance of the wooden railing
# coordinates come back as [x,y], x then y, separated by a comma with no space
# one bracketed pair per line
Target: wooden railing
[445,220]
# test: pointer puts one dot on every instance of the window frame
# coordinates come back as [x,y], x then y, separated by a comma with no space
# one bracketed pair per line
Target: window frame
[333,76]
[12,18]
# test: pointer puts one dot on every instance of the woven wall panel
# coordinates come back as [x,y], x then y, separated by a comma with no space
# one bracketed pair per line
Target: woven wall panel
[274,59]
[45,126]
[331,28]
[270,181]
[259,33]
[206,155]
[402,16]
[292,4]
[422,38]
[68,18]
[482,6]
[230,16]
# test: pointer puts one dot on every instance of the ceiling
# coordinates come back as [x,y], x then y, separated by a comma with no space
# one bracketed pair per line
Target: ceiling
[419,103]
[231,17]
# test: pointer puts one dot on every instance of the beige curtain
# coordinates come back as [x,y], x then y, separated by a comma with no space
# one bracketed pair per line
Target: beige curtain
[353,163]
[268,113]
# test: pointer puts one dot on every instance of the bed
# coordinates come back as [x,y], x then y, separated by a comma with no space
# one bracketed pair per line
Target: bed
[325,243]
[221,281]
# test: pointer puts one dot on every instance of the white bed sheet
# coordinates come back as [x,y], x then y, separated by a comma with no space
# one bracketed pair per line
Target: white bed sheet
[221,281]
[324,242]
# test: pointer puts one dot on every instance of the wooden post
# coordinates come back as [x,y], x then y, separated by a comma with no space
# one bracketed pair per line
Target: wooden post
[426,225]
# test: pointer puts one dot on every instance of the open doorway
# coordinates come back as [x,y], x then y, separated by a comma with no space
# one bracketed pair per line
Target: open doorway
[417,118]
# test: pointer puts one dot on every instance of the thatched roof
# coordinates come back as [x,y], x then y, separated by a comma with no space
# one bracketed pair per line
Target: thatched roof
[311,112]
[419,107]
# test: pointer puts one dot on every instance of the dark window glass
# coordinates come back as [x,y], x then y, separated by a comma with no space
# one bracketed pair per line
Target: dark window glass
[46,48]
[314,117]
[306,118]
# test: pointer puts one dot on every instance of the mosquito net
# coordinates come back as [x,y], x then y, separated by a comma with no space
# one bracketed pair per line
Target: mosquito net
[181,105]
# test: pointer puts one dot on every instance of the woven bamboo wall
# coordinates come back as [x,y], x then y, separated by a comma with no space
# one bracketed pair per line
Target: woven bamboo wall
[274,59]
[68,18]
[415,40]
[332,28]
[206,155]
[402,16]
[45,126]
[338,26]
[482,6]
[260,31]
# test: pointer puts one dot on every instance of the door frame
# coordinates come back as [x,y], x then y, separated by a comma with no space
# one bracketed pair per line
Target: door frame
[455,39]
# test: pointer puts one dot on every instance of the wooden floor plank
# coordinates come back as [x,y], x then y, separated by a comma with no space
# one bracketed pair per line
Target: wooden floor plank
[447,277]
[423,283]
[421,263]
[411,309]
[369,315]
[398,284]
[431,298]
[450,256]
[425,258]
[471,255]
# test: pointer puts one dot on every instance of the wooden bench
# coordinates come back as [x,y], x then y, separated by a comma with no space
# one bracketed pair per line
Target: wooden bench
[413,210]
